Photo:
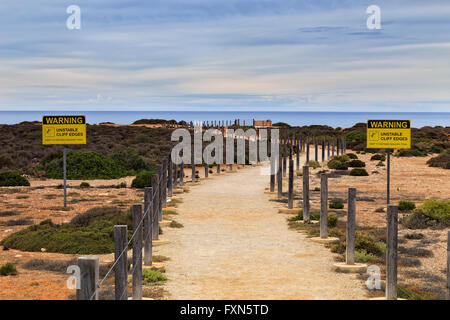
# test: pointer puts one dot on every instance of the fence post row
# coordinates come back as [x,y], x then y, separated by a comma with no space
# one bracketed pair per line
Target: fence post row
[306,214]
[164,182]
[89,274]
[391,252]
[121,274]
[137,252]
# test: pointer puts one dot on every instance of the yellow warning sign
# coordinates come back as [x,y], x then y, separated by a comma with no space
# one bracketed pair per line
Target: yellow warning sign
[389,134]
[64,130]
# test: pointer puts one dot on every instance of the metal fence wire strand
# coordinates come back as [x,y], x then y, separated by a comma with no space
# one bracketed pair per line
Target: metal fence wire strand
[125,250]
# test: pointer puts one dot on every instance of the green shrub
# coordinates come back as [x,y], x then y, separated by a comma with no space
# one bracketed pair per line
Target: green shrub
[150,276]
[12,179]
[88,233]
[411,153]
[85,185]
[313,215]
[359,172]
[337,165]
[356,136]
[84,165]
[314,164]
[316,189]
[332,221]
[143,179]
[431,213]
[379,157]
[357,164]
[131,161]
[8,269]
[336,204]
[363,256]
[441,161]
[406,206]
[175,224]
[363,242]
[352,156]
[380,164]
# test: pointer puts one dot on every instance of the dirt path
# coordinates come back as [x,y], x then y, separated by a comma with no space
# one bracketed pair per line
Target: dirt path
[234,245]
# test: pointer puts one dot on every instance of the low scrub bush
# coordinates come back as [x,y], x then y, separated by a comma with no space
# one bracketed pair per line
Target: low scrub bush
[337,165]
[150,276]
[352,156]
[356,164]
[8,269]
[85,185]
[406,206]
[88,233]
[431,213]
[83,165]
[359,172]
[441,161]
[143,179]
[379,157]
[364,243]
[332,221]
[12,179]
[314,164]
[380,164]
[18,222]
[336,204]
[411,153]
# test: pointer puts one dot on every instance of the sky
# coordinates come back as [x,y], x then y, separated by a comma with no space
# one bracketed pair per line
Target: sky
[237,55]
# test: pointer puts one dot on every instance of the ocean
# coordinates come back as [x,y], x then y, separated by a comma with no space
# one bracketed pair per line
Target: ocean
[333,119]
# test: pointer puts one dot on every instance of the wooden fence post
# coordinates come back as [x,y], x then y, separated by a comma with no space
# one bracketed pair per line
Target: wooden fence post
[306,214]
[164,184]
[170,177]
[280,178]
[332,149]
[175,176]
[328,149]
[89,270]
[316,150]
[307,151]
[272,175]
[161,192]
[297,159]
[291,184]
[284,158]
[121,275]
[155,206]
[323,206]
[323,150]
[351,220]
[193,165]
[137,252]
[391,252]
[148,206]
[206,170]
[181,173]
[337,146]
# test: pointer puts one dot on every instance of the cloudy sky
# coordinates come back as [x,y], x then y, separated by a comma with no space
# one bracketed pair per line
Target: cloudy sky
[278,55]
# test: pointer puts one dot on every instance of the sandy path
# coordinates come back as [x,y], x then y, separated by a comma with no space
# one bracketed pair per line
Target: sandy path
[234,245]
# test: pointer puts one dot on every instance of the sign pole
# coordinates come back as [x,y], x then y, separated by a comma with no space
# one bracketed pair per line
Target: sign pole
[65,175]
[388,189]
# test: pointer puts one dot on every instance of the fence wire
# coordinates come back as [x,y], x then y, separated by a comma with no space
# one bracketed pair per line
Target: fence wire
[125,250]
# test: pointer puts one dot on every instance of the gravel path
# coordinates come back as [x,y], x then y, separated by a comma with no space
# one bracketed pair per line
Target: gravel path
[234,245]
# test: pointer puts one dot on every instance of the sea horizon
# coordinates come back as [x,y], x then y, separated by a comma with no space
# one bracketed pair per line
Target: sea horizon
[294,118]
